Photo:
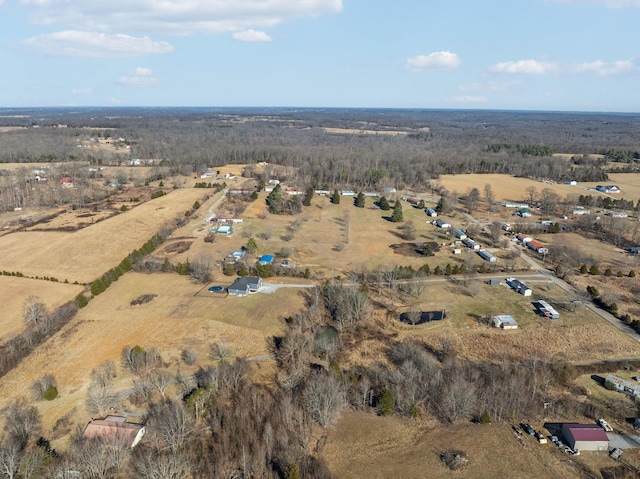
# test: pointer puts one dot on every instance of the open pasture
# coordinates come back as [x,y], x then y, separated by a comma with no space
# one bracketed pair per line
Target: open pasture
[578,335]
[86,254]
[13,293]
[393,447]
[510,188]
[180,317]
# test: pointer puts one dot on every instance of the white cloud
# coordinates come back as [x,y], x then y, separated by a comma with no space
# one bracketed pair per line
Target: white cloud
[601,68]
[82,91]
[606,3]
[467,99]
[251,36]
[139,78]
[528,67]
[74,43]
[175,16]
[434,61]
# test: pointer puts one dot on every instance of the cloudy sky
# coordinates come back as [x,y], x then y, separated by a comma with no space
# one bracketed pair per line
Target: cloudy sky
[576,55]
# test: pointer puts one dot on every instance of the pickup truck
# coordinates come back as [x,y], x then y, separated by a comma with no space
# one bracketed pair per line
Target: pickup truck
[605,425]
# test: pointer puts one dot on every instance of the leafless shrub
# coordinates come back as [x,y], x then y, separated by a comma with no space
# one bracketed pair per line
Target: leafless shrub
[220,351]
[189,356]
[454,459]
[22,422]
[142,299]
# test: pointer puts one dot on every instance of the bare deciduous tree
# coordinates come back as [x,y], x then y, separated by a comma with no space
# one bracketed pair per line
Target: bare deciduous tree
[9,461]
[22,422]
[171,426]
[201,268]
[324,398]
[35,312]
[104,373]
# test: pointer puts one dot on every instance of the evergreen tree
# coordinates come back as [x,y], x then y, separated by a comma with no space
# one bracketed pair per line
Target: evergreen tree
[308,195]
[397,215]
[386,402]
[251,246]
[384,204]
[335,198]
[555,228]
[584,269]
[359,201]
[421,205]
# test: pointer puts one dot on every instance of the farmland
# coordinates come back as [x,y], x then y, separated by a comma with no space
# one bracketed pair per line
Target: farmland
[243,352]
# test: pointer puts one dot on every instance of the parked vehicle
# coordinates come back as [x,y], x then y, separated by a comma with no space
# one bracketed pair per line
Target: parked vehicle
[528,429]
[541,438]
[605,425]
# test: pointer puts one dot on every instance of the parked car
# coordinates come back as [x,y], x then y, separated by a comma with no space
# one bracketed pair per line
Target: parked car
[541,438]
[605,425]
[528,429]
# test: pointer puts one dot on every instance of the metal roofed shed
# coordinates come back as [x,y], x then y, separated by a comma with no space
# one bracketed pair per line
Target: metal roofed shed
[504,321]
[547,310]
[484,254]
[585,437]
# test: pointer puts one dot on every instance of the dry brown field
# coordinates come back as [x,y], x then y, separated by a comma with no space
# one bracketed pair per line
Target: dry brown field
[86,254]
[321,242]
[14,291]
[183,315]
[509,188]
[592,250]
[365,445]
[577,336]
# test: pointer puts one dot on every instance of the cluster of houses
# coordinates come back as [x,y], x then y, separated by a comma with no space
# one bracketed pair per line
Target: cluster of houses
[529,242]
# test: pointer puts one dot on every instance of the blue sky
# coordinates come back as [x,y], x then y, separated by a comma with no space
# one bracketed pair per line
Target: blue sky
[570,55]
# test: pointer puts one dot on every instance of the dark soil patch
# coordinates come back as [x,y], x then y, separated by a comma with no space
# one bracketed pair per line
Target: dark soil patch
[415,250]
[86,215]
[177,247]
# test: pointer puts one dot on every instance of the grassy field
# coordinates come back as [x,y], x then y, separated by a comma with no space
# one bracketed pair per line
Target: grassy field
[180,317]
[574,337]
[13,293]
[85,254]
[381,447]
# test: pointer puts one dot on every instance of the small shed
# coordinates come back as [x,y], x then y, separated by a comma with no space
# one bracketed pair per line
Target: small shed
[504,321]
[493,282]
[442,224]
[524,212]
[432,212]
[585,437]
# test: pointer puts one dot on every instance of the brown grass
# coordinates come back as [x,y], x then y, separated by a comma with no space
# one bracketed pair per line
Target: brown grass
[86,254]
[13,293]
[181,316]
[365,445]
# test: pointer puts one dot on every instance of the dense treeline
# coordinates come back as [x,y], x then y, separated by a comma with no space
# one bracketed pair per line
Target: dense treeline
[439,142]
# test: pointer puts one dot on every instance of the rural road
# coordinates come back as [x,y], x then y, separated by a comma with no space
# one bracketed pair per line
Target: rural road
[576,293]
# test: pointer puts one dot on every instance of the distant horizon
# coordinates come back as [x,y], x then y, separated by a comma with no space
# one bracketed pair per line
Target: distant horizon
[312,108]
